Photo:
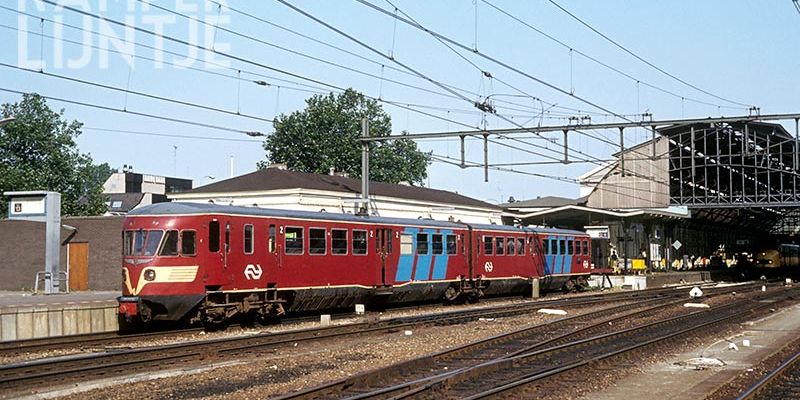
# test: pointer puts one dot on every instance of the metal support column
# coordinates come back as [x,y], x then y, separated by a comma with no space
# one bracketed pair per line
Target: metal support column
[566,147]
[485,157]
[653,146]
[622,149]
[365,166]
[463,160]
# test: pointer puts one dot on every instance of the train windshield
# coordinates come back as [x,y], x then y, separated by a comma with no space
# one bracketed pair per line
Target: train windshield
[141,242]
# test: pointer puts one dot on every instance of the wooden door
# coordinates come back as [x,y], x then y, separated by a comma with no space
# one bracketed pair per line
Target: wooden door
[78,264]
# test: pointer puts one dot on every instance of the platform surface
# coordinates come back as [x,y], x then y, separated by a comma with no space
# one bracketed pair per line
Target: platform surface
[14,300]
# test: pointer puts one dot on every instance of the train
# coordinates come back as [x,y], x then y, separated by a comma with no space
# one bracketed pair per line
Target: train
[784,256]
[207,263]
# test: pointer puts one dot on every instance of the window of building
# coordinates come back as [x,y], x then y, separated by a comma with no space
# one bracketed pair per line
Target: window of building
[406,244]
[488,245]
[510,250]
[188,246]
[248,239]
[451,244]
[271,239]
[213,236]
[436,242]
[499,246]
[520,246]
[562,246]
[339,241]
[359,242]
[152,242]
[316,241]
[293,240]
[170,246]
[422,243]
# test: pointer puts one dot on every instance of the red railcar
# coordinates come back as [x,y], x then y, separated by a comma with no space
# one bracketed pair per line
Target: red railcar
[207,263]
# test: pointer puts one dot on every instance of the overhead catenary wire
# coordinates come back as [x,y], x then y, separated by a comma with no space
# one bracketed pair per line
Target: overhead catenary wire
[657,68]
[169,135]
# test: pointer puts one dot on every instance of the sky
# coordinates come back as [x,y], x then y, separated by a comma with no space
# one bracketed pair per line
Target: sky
[738,53]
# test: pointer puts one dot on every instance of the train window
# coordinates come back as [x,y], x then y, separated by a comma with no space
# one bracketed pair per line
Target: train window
[499,248]
[152,242]
[271,239]
[127,243]
[546,246]
[316,241]
[510,248]
[461,239]
[578,245]
[451,244]
[562,246]
[293,240]
[359,242]
[553,246]
[488,247]
[570,248]
[248,239]
[188,247]
[228,237]
[138,244]
[436,241]
[422,243]
[170,245]
[406,244]
[339,241]
[213,236]
[388,236]
[520,246]
[586,248]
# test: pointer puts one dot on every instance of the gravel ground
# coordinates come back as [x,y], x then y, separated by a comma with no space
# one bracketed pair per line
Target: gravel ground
[307,364]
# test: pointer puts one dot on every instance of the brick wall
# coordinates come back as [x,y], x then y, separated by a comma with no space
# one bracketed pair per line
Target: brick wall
[22,251]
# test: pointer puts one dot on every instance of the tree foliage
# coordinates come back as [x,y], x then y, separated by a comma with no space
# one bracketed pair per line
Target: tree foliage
[325,134]
[38,152]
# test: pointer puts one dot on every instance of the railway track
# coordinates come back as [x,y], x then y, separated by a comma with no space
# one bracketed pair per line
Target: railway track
[522,357]
[781,383]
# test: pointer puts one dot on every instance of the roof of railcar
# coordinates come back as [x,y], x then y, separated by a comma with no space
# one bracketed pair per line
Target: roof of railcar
[180,208]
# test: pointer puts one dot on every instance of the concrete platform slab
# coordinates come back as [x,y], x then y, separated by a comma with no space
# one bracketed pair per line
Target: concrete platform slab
[680,378]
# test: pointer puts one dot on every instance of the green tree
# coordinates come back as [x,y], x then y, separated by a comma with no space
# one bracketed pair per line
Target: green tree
[325,134]
[38,152]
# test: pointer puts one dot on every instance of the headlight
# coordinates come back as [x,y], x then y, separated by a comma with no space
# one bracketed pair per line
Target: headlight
[149,274]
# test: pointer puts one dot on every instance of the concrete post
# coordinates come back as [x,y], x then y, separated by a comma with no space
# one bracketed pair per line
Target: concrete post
[535,288]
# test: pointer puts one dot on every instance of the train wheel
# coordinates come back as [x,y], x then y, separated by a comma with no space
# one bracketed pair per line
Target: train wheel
[452,294]
[569,286]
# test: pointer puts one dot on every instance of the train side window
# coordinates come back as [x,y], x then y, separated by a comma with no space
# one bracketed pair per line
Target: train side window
[406,244]
[248,239]
[553,246]
[213,236]
[228,237]
[422,243]
[562,246]
[388,236]
[316,241]
[271,239]
[188,247]
[488,245]
[293,240]
[359,242]
[436,242]
[170,245]
[546,246]
[451,244]
[499,248]
[463,245]
[511,250]
[586,248]
[339,241]
[520,246]
[578,245]
[570,249]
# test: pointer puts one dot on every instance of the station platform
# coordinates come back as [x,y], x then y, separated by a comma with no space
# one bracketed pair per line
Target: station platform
[653,280]
[24,315]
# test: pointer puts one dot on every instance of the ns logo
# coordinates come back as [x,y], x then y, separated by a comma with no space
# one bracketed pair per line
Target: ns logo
[253,271]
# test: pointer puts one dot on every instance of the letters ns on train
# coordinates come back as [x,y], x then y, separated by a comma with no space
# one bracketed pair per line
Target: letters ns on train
[207,263]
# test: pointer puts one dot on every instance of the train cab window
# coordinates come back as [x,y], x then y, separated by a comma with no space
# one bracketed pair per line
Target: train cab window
[127,243]
[170,245]
[406,244]
[499,247]
[422,243]
[271,239]
[570,249]
[228,237]
[520,246]
[359,242]
[488,245]
[339,241]
[188,247]
[213,236]
[316,241]
[510,248]
[562,246]
[152,242]
[248,239]
[546,246]
[293,240]
[586,248]
[436,242]
[451,244]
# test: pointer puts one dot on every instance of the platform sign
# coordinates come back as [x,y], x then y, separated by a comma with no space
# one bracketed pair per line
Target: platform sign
[41,206]
[27,207]
[597,232]
[677,245]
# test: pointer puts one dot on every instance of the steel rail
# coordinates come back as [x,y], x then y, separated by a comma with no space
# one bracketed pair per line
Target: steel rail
[764,384]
